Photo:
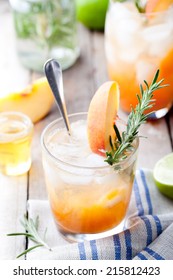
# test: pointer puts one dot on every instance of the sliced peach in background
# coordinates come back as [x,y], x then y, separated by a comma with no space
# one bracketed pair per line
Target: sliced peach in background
[101,116]
[157,5]
[35,100]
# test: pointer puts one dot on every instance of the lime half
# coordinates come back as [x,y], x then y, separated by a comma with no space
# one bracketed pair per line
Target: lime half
[163,175]
[92,13]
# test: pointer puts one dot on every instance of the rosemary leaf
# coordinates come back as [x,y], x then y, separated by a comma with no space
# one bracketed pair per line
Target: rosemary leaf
[117,133]
[136,118]
[31,231]
[28,250]
[19,233]
[140,5]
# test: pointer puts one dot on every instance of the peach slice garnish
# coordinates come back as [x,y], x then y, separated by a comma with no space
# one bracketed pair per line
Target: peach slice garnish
[101,117]
[157,5]
[35,100]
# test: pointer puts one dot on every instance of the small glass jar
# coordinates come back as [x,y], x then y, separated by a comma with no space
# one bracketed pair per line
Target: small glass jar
[45,29]
[16,131]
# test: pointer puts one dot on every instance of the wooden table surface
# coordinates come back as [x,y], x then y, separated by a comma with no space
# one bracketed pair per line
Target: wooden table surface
[80,83]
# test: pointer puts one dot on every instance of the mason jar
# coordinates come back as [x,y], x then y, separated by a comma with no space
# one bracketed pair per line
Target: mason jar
[45,29]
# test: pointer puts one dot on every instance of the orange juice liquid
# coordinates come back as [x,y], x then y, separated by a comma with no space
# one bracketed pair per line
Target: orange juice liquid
[129,86]
[86,195]
[89,210]
[136,46]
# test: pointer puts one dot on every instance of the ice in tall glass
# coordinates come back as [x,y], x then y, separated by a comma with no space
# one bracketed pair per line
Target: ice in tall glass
[136,45]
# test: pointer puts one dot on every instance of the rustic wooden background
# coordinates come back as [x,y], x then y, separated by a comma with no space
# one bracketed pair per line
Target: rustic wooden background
[80,83]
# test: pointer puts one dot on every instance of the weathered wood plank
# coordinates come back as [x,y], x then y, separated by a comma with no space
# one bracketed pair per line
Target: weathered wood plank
[4,6]
[13,195]
[13,76]
[99,60]
[78,80]
[37,188]
[157,144]
[80,83]
[13,190]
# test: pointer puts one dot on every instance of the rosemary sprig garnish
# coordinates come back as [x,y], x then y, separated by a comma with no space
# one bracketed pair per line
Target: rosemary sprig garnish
[136,118]
[140,5]
[31,231]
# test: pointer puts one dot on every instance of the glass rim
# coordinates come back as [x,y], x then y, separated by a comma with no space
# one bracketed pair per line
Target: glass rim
[143,14]
[6,137]
[58,160]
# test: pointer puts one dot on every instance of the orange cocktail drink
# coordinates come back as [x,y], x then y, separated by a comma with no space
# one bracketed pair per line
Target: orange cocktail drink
[137,44]
[87,196]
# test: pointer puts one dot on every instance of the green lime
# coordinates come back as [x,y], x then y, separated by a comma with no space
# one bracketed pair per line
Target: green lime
[163,175]
[92,13]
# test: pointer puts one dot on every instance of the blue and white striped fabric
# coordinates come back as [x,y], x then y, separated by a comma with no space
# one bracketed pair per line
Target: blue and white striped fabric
[148,234]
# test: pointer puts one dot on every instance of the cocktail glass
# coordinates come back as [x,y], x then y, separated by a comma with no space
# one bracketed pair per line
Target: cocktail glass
[136,45]
[88,198]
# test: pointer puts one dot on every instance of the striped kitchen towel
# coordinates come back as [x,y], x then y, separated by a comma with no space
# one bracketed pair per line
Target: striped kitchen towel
[148,234]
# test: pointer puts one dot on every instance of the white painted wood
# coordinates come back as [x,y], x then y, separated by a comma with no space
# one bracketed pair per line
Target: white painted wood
[99,60]
[157,144]
[13,190]
[13,195]
[80,83]
[13,76]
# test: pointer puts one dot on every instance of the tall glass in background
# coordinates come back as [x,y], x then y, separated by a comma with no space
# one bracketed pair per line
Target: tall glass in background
[88,198]
[45,29]
[137,44]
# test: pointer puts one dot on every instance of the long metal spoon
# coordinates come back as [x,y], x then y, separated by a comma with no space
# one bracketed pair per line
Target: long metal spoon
[53,74]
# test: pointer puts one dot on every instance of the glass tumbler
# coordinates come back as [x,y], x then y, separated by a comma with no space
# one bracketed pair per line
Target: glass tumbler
[16,131]
[45,29]
[87,202]
[136,45]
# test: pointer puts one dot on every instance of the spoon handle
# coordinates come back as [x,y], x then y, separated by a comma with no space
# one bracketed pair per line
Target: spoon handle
[53,74]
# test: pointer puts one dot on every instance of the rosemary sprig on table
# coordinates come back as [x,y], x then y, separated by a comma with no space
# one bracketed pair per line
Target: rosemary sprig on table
[31,231]
[136,118]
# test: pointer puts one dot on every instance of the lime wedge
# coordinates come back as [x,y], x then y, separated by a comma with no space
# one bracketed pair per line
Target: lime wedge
[163,175]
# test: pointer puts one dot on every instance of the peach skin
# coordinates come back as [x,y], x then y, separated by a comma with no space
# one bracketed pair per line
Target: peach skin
[35,100]
[101,116]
